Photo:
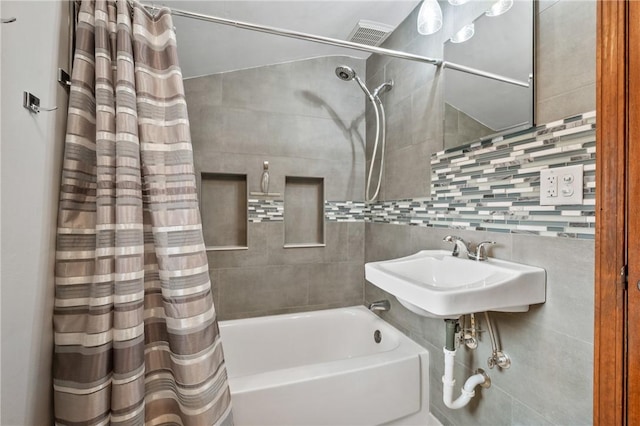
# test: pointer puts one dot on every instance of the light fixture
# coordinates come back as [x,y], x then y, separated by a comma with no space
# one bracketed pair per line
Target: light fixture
[499,7]
[464,34]
[457,2]
[429,17]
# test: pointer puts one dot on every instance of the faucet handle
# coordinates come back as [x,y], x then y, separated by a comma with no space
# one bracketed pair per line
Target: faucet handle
[459,245]
[480,250]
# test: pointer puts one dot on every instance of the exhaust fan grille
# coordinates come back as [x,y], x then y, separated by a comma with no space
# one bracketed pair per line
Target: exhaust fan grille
[370,33]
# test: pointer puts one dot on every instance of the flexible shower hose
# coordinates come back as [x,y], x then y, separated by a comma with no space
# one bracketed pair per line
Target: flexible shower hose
[380,129]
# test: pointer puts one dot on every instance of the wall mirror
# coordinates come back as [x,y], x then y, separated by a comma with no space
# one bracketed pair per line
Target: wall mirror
[475,107]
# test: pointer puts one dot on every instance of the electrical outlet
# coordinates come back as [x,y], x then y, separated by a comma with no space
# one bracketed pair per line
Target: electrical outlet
[551,186]
[561,186]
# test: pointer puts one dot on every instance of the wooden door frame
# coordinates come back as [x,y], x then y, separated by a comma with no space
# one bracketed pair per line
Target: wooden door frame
[613,114]
[633,217]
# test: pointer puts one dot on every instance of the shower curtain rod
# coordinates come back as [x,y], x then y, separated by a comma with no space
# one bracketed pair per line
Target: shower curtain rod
[340,43]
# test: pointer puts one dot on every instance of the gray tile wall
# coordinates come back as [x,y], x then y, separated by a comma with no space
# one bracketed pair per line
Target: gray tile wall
[306,122]
[551,346]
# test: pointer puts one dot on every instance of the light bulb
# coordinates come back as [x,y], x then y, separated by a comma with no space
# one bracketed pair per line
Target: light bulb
[429,17]
[464,34]
[499,7]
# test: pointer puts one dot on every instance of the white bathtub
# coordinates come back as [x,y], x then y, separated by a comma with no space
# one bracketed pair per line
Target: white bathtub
[325,368]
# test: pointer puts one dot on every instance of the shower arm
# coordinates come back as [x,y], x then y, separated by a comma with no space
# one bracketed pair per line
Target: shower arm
[340,43]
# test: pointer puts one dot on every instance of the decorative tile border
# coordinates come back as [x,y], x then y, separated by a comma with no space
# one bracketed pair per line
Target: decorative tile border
[494,185]
[270,210]
[265,210]
[345,211]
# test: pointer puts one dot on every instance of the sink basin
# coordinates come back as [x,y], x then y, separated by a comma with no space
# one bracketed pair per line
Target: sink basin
[435,284]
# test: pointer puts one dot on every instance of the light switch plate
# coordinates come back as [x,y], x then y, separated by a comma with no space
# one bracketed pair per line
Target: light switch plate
[561,185]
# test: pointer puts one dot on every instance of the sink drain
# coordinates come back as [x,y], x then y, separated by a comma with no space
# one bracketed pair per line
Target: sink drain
[377,336]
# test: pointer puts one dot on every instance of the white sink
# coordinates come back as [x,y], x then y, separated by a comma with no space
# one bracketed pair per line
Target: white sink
[433,283]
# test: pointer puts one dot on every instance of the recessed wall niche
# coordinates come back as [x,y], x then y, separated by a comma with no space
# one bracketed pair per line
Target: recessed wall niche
[303,212]
[223,205]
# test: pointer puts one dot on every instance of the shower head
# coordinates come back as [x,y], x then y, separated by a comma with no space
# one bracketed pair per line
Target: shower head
[384,87]
[345,73]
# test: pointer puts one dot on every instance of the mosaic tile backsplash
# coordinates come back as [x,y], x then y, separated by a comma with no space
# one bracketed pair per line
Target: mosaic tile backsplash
[272,210]
[494,185]
[345,211]
[491,185]
[265,210]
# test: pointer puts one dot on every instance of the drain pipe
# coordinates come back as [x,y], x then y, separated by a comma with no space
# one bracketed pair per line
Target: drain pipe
[479,378]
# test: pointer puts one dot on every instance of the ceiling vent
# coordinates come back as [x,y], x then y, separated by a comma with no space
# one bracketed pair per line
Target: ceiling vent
[370,33]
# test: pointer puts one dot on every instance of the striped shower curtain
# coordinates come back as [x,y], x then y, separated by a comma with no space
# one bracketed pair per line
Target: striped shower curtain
[136,336]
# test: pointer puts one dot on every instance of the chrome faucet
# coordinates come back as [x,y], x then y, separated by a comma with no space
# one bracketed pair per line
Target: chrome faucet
[481,253]
[461,247]
[380,305]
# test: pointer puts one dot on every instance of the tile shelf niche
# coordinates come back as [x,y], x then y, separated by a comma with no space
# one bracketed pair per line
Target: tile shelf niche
[304,212]
[223,205]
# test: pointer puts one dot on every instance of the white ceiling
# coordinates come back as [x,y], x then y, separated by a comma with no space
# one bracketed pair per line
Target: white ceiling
[206,48]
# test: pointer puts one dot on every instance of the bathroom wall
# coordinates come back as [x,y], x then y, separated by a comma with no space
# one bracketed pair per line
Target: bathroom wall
[305,122]
[33,48]
[551,346]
